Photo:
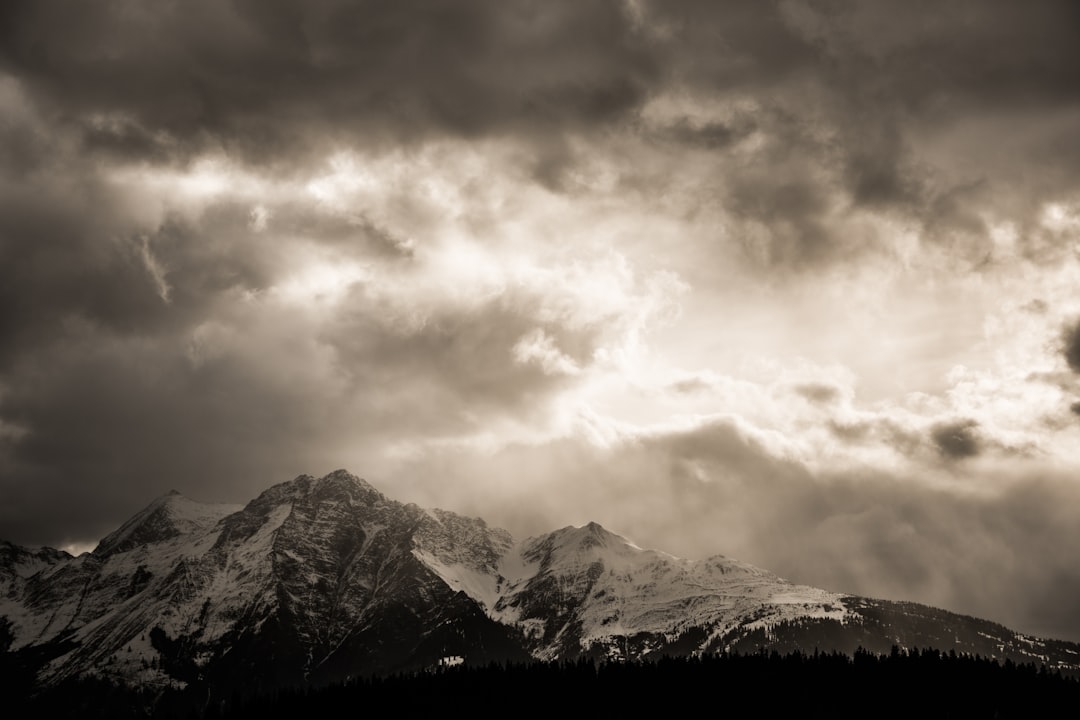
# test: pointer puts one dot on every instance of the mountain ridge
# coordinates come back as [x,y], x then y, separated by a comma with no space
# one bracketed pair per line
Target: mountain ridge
[319,579]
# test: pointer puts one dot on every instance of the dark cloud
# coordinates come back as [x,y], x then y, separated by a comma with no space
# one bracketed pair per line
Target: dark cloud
[878,169]
[793,215]
[710,136]
[1070,340]
[459,360]
[877,101]
[818,393]
[75,245]
[110,424]
[691,385]
[879,430]
[941,66]
[1074,408]
[956,440]
[67,252]
[846,93]
[83,254]
[266,78]
[122,140]
[949,440]
[1036,306]
[732,46]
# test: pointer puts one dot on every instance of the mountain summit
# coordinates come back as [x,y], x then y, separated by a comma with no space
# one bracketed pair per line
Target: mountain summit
[170,516]
[320,579]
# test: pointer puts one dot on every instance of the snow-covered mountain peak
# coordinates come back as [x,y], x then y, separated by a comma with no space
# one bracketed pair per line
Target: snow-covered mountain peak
[593,534]
[342,483]
[338,485]
[574,546]
[318,579]
[168,516]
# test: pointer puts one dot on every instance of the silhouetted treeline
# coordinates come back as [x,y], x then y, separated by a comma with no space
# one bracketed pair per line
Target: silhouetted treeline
[908,684]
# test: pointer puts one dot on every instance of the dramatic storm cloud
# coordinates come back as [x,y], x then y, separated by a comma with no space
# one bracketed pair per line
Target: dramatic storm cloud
[793,282]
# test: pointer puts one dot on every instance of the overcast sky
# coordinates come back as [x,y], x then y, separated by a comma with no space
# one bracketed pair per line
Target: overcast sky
[797,283]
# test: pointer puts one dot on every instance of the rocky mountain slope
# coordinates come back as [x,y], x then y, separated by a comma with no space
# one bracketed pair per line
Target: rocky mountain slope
[317,580]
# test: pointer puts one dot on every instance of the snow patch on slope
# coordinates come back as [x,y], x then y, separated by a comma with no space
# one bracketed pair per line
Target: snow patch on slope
[480,585]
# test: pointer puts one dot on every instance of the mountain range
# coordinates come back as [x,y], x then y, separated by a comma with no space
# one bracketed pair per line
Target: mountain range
[318,580]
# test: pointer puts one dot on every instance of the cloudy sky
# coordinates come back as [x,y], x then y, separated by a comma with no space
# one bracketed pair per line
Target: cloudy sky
[794,282]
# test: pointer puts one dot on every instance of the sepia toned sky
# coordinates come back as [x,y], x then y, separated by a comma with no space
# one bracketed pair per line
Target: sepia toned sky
[792,282]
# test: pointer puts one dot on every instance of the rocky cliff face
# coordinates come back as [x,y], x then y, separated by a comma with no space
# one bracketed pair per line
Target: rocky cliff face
[317,580]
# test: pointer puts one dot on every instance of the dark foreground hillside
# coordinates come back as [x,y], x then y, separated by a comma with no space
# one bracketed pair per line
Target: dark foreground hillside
[915,684]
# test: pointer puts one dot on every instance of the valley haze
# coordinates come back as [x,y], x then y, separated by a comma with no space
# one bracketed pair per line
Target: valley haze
[790,282]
